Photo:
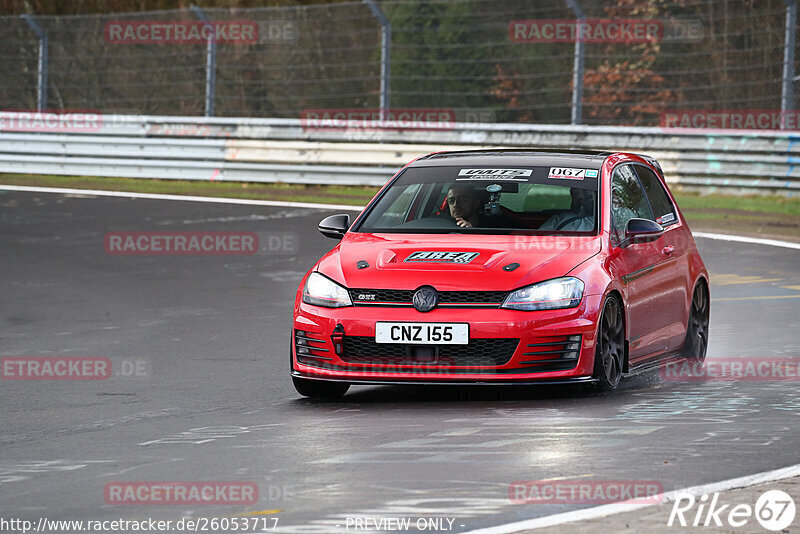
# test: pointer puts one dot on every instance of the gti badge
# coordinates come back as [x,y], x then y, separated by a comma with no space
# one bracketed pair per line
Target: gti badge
[425,299]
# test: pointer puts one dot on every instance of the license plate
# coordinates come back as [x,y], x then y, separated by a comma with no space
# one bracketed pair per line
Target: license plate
[422,333]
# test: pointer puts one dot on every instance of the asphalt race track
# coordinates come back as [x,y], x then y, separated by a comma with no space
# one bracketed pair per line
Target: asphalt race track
[211,398]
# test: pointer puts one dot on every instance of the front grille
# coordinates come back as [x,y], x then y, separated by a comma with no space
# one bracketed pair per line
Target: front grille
[402,297]
[367,296]
[472,297]
[479,352]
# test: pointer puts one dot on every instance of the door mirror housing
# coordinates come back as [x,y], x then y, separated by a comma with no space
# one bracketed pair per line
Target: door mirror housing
[642,231]
[334,226]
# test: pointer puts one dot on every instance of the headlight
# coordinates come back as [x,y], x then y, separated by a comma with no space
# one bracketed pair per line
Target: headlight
[550,295]
[322,291]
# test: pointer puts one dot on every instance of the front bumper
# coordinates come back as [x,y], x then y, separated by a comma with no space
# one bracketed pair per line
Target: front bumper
[554,346]
[434,382]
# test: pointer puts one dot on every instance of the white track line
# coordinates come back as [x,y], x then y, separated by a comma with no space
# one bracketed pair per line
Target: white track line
[311,205]
[616,508]
[188,198]
[742,239]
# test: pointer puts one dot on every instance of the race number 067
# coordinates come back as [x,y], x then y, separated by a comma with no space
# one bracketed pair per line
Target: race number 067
[567,173]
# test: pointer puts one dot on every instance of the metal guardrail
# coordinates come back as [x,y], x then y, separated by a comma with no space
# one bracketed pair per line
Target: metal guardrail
[282,150]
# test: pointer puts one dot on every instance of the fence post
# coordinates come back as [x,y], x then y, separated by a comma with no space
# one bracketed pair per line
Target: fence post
[386,43]
[577,67]
[787,91]
[41,98]
[211,61]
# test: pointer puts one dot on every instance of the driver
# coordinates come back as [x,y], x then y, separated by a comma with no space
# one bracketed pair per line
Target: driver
[579,218]
[464,205]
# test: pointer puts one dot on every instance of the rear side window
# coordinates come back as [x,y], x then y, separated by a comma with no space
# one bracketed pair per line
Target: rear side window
[663,210]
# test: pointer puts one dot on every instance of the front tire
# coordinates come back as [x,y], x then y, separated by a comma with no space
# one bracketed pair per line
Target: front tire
[320,389]
[609,358]
[696,344]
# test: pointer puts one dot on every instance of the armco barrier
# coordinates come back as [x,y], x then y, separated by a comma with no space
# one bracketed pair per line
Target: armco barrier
[282,150]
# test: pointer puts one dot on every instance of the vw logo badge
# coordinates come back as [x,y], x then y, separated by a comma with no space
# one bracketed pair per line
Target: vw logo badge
[425,299]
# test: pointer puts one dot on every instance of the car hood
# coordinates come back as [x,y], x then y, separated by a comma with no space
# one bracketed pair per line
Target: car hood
[476,262]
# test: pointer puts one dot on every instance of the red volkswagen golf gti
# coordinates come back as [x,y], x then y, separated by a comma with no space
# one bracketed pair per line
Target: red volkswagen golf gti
[504,267]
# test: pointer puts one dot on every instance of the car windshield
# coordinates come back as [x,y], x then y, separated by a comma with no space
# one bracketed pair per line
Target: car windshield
[537,200]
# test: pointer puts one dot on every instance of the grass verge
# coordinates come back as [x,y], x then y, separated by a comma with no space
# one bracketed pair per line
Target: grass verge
[334,194]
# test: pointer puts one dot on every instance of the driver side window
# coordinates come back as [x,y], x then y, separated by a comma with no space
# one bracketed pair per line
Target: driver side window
[628,200]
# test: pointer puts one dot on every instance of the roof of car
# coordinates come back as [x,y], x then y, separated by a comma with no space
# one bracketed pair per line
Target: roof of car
[526,157]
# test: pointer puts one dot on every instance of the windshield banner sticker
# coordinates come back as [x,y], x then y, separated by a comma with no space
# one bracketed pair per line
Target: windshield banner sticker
[493,174]
[433,256]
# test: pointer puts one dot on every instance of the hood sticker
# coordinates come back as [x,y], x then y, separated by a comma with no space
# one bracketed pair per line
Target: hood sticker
[436,256]
[494,174]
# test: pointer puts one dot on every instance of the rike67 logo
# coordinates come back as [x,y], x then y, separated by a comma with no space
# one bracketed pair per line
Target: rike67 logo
[774,510]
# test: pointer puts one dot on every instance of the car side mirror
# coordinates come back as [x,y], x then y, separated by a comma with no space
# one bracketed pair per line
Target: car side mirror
[334,226]
[642,231]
